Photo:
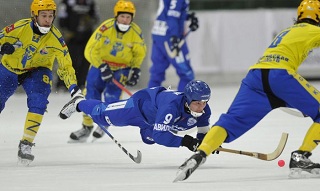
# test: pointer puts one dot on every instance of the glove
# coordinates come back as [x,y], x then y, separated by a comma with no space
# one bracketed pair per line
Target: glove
[7,48]
[175,44]
[190,142]
[135,75]
[194,25]
[106,72]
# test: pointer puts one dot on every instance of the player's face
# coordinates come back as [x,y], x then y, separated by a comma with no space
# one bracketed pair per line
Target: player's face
[124,18]
[197,106]
[45,18]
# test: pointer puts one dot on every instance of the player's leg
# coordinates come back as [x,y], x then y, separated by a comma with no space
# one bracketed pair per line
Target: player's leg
[183,67]
[8,84]
[37,85]
[160,64]
[250,105]
[300,94]
[94,88]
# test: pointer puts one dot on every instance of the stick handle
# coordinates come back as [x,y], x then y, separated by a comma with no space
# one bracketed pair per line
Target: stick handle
[121,87]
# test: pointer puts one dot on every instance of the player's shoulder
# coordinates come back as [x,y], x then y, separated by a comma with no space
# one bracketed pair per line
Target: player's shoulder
[107,24]
[18,24]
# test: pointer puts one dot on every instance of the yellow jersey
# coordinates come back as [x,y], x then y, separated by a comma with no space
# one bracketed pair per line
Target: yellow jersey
[290,47]
[33,50]
[119,50]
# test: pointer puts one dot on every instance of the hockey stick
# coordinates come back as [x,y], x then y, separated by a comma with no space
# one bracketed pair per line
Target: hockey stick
[121,87]
[174,53]
[293,112]
[262,156]
[136,159]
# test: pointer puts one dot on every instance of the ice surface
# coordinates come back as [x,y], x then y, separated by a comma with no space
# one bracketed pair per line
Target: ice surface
[61,166]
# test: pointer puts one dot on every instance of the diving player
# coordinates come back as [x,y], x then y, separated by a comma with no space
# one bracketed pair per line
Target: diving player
[158,113]
[115,50]
[169,26]
[271,83]
[29,48]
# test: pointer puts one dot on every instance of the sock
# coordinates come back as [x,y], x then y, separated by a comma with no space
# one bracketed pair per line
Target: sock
[312,138]
[31,126]
[213,139]
[87,121]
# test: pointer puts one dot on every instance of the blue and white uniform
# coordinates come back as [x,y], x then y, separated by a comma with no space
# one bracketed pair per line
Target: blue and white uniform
[156,111]
[170,22]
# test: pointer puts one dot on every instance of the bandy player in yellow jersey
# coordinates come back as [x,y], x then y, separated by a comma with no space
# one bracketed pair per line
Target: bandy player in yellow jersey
[271,83]
[115,50]
[29,48]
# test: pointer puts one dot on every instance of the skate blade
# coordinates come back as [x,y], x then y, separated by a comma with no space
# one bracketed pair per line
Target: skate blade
[297,173]
[185,171]
[23,162]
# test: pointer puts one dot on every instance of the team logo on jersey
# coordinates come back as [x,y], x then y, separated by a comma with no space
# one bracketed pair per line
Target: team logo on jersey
[107,41]
[103,28]
[191,121]
[117,47]
[9,28]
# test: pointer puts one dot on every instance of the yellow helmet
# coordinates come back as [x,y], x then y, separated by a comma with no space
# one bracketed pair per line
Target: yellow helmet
[309,9]
[124,6]
[41,5]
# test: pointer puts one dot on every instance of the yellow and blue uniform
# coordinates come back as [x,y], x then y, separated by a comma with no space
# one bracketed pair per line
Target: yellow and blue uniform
[271,83]
[121,51]
[31,67]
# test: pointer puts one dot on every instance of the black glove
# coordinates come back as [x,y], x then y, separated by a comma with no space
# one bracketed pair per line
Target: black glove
[190,142]
[194,25]
[135,75]
[175,44]
[7,48]
[106,72]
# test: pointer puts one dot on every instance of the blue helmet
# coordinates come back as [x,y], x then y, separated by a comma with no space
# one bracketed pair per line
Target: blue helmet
[197,90]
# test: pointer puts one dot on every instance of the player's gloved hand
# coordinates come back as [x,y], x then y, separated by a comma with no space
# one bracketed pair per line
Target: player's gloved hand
[106,72]
[216,152]
[7,48]
[76,92]
[135,75]
[190,142]
[175,44]
[194,24]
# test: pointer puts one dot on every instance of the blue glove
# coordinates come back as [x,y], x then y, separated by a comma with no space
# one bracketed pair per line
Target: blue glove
[7,48]
[194,25]
[106,72]
[135,75]
[175,44]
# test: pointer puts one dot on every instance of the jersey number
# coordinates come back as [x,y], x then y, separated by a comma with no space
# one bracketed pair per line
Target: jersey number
[278,39]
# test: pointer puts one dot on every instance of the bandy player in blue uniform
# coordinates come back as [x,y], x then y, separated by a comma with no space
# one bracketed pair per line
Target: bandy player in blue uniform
[271,83]
[158,113]
[170,27]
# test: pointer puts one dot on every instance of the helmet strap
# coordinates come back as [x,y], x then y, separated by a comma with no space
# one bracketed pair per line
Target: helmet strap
[193,113]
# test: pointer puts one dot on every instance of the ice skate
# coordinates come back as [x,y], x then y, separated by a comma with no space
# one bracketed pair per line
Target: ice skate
[71,107]
[188,167]
[302,167]
[81,135]
[24,154]
[98,133]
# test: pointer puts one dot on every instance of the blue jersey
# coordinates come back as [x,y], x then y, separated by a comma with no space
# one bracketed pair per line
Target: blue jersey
[157,111]
[171,17]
